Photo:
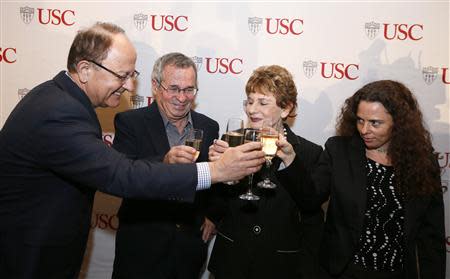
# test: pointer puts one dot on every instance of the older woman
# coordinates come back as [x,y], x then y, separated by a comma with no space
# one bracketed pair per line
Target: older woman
[385,217]
[272,237]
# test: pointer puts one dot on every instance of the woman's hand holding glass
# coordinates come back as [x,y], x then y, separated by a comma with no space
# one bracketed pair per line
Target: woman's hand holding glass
[285,151]
[217,149]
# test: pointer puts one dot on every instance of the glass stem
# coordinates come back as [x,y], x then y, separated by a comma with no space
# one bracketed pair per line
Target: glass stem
[268,164]
[250,183]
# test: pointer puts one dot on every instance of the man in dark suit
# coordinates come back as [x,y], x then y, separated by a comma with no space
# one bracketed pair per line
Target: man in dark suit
[164,239]
[52,159]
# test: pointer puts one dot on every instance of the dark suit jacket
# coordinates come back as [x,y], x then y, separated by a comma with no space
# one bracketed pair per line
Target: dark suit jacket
[52,159]
[266,236]
[141,133]
[341,174]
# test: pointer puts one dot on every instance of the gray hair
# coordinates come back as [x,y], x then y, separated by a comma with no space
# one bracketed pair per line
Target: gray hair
[177,59]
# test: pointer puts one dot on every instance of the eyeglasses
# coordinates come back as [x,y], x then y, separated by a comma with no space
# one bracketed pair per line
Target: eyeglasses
[175,90]
[123,78]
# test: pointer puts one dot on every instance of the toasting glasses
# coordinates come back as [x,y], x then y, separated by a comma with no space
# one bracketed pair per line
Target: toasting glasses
[234,136]
[269,136]
[251,135]
[235,132]
[194,139]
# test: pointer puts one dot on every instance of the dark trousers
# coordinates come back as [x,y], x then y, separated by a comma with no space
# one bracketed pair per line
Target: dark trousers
[158,252]
[21,259]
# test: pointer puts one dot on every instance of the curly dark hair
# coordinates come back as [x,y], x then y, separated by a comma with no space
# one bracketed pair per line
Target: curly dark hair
[410,148]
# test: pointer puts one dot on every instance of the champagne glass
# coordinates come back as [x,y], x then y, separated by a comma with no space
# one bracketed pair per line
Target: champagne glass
[235,132]
[269,136]
[194,138]
[234,136]
[249,136]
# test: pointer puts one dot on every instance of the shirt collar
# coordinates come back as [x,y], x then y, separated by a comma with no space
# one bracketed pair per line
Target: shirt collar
[167,122]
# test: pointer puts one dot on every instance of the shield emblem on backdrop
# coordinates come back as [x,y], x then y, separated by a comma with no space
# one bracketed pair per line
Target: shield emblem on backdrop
[429,74]
[254,24]
[140,21]
[309,68]
[26,14]
[372,28]
[198,62]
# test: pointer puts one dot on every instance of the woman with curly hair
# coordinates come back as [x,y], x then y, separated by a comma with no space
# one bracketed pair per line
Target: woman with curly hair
[385,217]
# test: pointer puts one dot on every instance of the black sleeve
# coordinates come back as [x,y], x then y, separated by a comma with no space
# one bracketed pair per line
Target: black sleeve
[69,145]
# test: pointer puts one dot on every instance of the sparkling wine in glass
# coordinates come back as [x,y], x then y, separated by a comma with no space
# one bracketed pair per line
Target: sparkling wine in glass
[269,136]
[194,139]
[249,136]
[235,132]
[234,136]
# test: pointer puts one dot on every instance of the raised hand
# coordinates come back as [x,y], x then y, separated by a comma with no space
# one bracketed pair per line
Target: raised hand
[285,151]
[237,162]
[180,154]
[217,149]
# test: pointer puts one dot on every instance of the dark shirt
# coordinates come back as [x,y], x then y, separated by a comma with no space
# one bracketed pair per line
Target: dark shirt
[381,243]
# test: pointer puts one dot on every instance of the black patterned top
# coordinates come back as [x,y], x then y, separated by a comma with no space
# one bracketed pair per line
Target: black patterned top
[381,243]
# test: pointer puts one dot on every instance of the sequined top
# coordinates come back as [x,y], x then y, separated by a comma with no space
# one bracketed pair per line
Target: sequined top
[381,243]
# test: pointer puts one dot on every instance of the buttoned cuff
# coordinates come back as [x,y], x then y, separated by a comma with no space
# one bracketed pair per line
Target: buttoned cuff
[203,176]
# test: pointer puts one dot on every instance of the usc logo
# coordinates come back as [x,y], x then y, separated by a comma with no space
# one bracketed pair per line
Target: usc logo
[339,70]
[105,221]
[56,17]
[8,55]
[224,65]
[169,23]
[284,26]
[403,31]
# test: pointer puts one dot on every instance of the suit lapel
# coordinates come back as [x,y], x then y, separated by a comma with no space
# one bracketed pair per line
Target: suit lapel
[358,183]
[155,130]
[197,123]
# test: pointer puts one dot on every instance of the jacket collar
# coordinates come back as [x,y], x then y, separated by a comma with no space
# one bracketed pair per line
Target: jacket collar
[63,81]
[358,181]
[156,129]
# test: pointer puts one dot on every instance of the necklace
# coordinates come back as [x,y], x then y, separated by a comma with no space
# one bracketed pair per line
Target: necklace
[381,149]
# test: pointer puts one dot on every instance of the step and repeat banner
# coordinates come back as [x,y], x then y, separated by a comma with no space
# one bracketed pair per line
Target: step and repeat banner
[331,48]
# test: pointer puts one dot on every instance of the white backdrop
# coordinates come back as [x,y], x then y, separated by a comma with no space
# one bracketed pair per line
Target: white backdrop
[331,48]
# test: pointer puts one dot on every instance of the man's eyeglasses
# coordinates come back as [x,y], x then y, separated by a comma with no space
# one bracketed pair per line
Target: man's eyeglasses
[175,90]
[123,78]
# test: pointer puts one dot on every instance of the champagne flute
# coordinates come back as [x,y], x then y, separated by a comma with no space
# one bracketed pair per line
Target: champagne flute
[234,136]
[194,139]
[249,136]
[235,132]
[269,136]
